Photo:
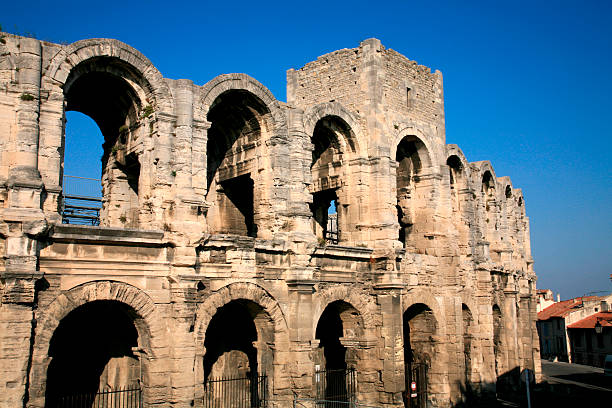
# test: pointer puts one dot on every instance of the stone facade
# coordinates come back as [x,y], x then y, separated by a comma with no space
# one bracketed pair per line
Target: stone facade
[211,254]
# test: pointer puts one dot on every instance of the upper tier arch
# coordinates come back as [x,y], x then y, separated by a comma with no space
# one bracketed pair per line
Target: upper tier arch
[226,82]
[61,65]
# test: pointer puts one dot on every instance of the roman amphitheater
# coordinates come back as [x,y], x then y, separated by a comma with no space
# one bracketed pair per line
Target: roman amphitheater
[330,251]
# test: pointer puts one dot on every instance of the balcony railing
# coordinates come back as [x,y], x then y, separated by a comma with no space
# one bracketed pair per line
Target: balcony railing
[81,200]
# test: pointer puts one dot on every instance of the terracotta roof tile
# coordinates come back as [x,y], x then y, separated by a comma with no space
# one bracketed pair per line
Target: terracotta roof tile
[563,308]
[605,319]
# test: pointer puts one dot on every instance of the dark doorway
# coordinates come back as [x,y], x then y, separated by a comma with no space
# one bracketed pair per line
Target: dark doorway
[419,327]
[93,349]
[335,381]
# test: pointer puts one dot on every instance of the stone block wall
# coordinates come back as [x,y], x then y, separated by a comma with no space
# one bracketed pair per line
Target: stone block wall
[214,199]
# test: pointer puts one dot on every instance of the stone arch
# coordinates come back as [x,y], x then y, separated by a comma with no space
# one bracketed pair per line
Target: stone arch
[420,306]
[335,109]
[482,168]
[454,150]
[148,324]
[359,320]
[412,130]
[259,296]
[127,97]
[455,160]
[68,57]
[363,303]
[416,296]
[332,187]
[226,82]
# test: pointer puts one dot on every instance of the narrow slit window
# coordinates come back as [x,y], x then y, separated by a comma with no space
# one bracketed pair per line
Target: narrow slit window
[408,98]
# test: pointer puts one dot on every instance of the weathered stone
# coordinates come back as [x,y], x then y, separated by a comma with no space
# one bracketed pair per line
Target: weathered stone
[217,254]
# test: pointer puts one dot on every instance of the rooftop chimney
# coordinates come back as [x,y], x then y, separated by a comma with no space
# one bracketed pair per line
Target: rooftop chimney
[558,297]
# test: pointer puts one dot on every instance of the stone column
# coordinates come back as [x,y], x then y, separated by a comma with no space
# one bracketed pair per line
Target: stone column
[24,163]
[16,328]
[392,347]
[301,333]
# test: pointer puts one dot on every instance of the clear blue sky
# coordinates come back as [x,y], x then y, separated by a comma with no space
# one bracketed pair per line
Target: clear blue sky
[528,85]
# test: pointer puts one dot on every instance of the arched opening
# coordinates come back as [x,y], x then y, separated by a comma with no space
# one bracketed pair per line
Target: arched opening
[497,340]
[112,94]
[468,328]
[238,121]
[95,347]
[332,139]
[508,191]
[419,329]
[238,355]
[229,342]
[340,324]
[488,184]
[410,156]
[455,170]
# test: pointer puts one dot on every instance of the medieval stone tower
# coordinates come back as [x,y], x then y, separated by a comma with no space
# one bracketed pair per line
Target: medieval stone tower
[238,235]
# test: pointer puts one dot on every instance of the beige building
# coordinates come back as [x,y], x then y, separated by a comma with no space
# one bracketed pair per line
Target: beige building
[556,318]
[214,255]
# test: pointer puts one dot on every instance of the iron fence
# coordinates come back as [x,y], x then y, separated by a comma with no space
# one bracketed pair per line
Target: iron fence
[310,402]
[126,397]
[335,388]
[243,392]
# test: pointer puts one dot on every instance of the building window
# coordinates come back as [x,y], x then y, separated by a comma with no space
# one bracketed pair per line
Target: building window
[408,98]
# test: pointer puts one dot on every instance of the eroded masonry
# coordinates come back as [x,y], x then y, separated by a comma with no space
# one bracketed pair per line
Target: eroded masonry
[333,247]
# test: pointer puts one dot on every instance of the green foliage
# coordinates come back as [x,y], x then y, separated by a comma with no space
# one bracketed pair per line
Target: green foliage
[321,241]
[147,111]
[123,129]
[117,147]
[173,173]
[123,219]
[27,97]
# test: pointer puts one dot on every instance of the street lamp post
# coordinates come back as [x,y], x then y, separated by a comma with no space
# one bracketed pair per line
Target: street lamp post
[598,327]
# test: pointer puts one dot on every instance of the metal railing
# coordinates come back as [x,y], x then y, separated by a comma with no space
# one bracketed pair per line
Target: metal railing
[331,230]
[243,392]
[127,397]
[81,200]
[335,388]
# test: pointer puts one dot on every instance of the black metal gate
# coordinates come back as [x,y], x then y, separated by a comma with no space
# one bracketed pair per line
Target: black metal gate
[335,388]
[242,392]
[128,397]
[415,395]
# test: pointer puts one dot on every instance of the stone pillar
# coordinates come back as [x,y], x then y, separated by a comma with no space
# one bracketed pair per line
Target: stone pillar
[24,163]
[16,327]
[301,333]
[392,347]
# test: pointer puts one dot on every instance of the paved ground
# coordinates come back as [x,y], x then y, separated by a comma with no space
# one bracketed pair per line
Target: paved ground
[576,374]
